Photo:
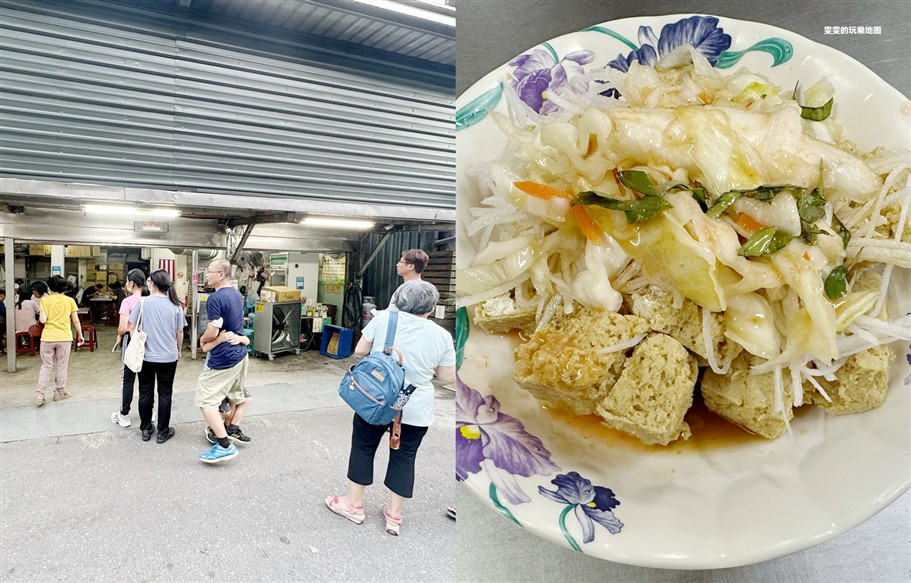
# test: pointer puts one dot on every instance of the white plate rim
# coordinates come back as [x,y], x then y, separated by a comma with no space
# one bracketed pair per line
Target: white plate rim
[480,483]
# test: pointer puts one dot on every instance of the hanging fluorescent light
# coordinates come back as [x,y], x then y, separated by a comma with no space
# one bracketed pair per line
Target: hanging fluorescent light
[110,209]
[413,9]
[332,223]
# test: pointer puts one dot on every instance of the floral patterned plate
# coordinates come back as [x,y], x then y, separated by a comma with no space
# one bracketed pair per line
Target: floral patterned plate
[715,501]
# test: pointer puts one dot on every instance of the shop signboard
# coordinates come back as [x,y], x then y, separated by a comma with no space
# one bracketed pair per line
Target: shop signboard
[150,226]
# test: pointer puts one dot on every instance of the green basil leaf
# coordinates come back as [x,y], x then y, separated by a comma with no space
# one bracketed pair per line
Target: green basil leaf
[765,242]
[836,284]
[590,197]
[701,197]
[637,180]
[698,192]
[767,193]
[809,232]
[817,113]
[763,193]
[644,209]
[811,206]
[722,204]
[842,231]
[636,210]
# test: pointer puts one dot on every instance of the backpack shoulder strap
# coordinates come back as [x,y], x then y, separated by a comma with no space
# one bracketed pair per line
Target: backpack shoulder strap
[390,329]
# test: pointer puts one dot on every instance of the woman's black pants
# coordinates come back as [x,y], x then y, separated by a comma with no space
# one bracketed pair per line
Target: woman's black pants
[164,373]
[365,438]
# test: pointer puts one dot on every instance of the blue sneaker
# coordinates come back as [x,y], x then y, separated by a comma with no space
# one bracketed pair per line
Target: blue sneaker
[218,454]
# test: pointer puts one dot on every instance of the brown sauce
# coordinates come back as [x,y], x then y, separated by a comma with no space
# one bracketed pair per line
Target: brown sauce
[709,431]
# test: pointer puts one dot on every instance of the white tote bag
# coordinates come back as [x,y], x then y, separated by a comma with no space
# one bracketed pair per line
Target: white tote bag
[136,349]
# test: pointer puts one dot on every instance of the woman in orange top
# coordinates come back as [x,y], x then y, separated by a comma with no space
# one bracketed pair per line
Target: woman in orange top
[56,311]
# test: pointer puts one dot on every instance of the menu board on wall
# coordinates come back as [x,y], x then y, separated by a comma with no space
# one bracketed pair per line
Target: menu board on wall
[332,273]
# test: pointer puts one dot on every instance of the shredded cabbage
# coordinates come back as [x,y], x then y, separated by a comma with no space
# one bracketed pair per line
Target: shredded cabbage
[699,135]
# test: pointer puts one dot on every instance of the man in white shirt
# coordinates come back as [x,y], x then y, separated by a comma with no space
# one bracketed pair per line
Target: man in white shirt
[409,268]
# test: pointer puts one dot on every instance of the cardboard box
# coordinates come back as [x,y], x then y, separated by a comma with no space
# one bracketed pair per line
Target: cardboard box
[96,251]
[284,293]
[39,249]
[78,251]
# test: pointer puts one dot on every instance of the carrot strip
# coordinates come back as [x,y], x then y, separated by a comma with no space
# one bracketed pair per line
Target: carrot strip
[749,223]
[542,190]
[591,230]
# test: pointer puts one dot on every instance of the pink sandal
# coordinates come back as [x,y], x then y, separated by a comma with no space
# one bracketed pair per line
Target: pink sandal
[393,523]
[341,506]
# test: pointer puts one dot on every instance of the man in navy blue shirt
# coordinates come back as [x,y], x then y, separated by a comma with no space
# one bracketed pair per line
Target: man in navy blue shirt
[225,371]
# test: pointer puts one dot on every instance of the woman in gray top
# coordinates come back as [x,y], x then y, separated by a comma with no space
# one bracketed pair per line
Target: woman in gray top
[162,318]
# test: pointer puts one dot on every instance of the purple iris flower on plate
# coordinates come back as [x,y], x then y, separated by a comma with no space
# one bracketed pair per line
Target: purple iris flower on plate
[702,32]
[539,71]
[490,441]
[590,504]
[908,378]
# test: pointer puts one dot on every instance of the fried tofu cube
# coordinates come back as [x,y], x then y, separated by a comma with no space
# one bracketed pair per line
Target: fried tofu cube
[684,324]
[749,400]
[862,385]
[502,314]
[653,393]
[564,364]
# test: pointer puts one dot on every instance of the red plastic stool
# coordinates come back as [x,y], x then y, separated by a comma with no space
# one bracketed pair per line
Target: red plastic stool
[88,333]
[112,318]
[25,343]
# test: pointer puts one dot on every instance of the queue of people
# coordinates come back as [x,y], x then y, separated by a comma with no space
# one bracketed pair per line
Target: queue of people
[152,307]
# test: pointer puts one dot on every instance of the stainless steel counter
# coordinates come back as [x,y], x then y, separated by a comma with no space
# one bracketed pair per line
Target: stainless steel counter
[490,33]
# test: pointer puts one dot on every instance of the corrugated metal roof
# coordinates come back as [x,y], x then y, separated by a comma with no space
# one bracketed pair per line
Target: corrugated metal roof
[128,94]
[343,21]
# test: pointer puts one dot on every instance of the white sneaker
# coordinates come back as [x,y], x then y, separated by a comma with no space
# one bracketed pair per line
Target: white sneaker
[122,420]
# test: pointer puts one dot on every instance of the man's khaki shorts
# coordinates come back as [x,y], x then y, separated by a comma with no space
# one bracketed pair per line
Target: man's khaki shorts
[215,385]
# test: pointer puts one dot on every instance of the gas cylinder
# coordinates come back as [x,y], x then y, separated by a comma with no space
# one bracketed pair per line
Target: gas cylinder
[367,310]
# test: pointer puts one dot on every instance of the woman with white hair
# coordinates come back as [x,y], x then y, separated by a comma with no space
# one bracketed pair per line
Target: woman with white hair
[427,349]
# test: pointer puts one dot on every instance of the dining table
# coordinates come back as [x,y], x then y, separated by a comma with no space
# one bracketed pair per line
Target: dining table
[101,309]
[490,547]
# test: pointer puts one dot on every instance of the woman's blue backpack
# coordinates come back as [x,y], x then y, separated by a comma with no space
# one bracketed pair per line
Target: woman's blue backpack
[372,386]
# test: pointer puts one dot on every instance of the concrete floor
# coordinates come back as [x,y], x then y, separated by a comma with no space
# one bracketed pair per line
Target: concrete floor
[96,375]
[83,500]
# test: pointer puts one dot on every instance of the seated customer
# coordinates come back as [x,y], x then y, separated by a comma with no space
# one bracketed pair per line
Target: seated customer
[119,294]
[91,292]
